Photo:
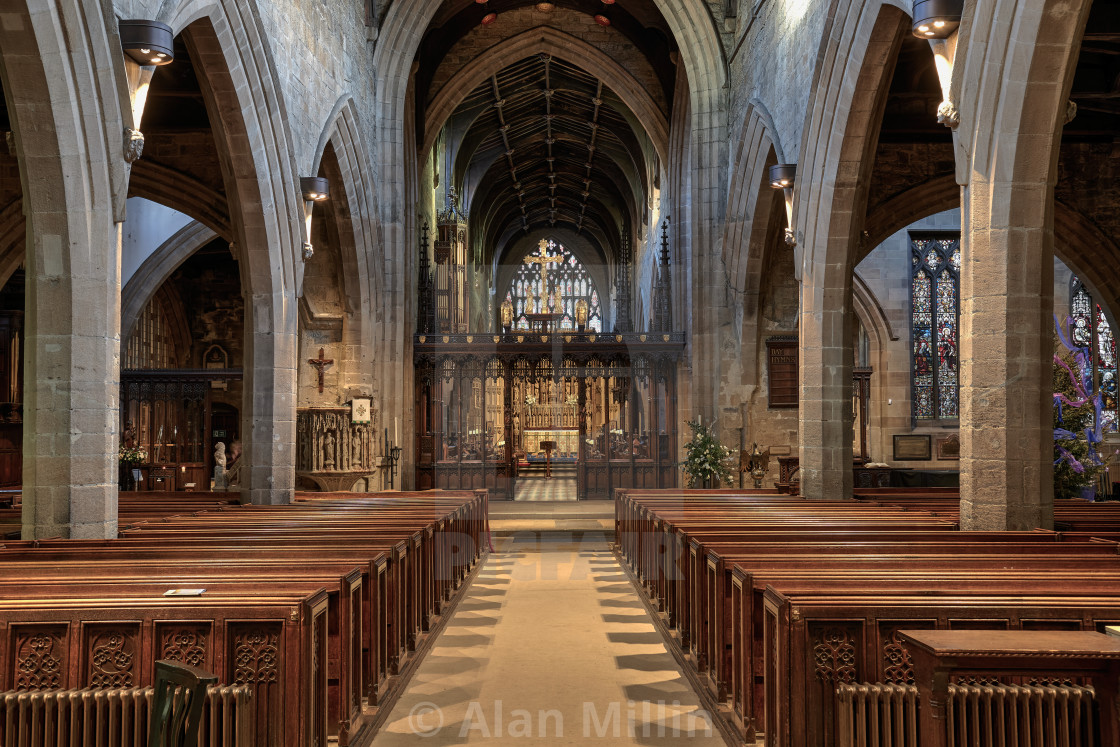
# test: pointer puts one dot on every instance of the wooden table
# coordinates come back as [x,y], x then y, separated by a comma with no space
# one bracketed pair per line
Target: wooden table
[940,654]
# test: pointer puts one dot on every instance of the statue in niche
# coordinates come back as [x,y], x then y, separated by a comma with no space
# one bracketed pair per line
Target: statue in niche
[356,462]
[328,450]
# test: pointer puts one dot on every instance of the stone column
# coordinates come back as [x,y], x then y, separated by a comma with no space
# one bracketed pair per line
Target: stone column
[268,420]
[71,375]
[1006,348]
[825,433]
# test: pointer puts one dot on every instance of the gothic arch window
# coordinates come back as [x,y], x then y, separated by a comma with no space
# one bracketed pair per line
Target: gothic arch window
[934,322]
[1090,329]
[564,273]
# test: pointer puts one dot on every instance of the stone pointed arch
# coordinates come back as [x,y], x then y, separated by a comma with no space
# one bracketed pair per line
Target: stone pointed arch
[354,207]
[920,201]
[858,54]
[166,186]
[62,72]
[244,98]
[157,268]
[399,39]
[1019,59]
[750,222]
[1080,243]
[559,44]
[363,256]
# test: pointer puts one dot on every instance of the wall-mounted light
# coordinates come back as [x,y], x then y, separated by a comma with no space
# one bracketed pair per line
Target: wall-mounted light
[147,42]
[546,7]
[783,176]
[602,19]
[936,19]
[314,189]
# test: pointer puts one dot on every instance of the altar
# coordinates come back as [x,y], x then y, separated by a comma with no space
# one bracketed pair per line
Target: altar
[567,443]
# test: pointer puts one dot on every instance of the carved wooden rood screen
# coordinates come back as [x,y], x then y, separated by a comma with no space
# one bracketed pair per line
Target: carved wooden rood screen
[485,403]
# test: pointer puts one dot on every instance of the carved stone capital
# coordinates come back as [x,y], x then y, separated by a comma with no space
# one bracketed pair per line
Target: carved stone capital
[947,114]
[308,251]
[791,237]
[10,141]
[133,145]
[1071,112]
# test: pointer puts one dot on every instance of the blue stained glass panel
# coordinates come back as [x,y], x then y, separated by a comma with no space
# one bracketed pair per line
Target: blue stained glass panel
[935,300]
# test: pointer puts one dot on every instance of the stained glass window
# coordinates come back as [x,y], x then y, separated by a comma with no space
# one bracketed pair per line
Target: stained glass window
[1090,329]
[562,272]
[934,321]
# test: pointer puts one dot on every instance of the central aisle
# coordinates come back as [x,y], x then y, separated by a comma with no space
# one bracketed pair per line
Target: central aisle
[550,639]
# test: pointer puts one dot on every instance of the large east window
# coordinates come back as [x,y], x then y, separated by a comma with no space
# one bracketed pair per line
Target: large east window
[561,272]
[934,326]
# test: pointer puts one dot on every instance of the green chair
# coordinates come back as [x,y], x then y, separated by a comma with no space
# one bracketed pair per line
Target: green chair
[180,693]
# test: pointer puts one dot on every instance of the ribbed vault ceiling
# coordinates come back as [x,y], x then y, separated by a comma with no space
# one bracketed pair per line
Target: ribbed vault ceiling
[548,146]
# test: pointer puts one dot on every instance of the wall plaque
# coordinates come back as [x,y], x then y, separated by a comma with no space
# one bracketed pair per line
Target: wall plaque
[912,448]
[949,448]
[781,360]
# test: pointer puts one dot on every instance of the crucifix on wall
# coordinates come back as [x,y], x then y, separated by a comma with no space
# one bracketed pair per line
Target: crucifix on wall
[320,363]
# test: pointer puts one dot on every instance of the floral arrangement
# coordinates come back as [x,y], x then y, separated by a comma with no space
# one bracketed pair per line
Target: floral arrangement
[530,400]
[705,457]
[1077,418]
[132,455]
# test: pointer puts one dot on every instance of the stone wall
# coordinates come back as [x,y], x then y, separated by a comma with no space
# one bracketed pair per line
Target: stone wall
[772,60]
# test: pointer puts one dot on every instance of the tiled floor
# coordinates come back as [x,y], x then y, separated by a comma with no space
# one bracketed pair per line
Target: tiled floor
[551,645]
[558,488]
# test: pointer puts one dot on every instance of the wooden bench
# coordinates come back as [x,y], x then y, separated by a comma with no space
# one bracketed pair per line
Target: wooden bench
[276,644]
[386,563]
[710,561]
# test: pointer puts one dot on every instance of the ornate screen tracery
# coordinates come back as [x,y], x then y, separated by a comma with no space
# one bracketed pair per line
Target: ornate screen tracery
[567,275]
[1090,329]
[935,313]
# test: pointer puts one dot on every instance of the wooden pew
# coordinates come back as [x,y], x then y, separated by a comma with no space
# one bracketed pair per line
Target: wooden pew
[276,644]
[698,557]
[433,540]
[813,642]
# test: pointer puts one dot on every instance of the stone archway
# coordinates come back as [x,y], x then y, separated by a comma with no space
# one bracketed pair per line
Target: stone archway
[837,156]
[67,119]
[747,246]
[261,183]
[341,156]
[157,268]
[704,64]
[1021,55]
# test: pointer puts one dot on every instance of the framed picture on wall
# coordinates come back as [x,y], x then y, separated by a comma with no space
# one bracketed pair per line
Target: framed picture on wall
[912,448]
[949,448]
